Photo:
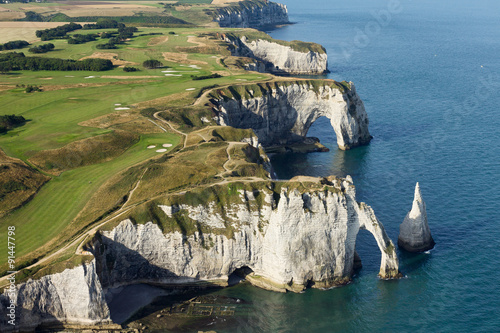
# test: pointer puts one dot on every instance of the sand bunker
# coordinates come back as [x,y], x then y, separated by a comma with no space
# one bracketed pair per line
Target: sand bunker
[122,108]
[167,145]
[180,58]
[190,89]
[151,146]
[158,40]
[110,56]
[161,150]
[195,40]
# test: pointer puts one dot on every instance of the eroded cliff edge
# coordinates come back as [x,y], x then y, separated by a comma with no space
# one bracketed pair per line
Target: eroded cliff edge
[251,14]
[291,235]
[281,112]
[276,56]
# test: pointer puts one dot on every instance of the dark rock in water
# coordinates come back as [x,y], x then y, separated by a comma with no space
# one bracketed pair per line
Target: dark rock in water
[414,232]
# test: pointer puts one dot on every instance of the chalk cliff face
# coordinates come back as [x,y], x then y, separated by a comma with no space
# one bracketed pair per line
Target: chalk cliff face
[276,58]
[414,232]
[282,112]
[290,235]
[252,14]
[74,296]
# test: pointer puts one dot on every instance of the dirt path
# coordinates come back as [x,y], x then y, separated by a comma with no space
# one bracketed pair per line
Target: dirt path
[228,151]
[161,127]
[172,128]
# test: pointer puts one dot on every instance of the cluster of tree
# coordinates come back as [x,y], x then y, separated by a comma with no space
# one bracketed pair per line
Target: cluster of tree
[8,122]
[126,32]
[104,23]
[108,34]
[152,63]
[205,77]
[31,88]
[81,39]
[33,17]
[123,33]
[130,69]
[16,44]
[58,32]
[18,61]
[107,46]
[42,48]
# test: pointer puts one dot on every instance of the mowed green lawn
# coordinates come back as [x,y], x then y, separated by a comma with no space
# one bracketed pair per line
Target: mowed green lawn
[60,200]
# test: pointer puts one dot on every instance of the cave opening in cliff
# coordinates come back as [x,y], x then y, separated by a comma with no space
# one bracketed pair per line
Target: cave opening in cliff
[322,129]
[238,275]
[369,253]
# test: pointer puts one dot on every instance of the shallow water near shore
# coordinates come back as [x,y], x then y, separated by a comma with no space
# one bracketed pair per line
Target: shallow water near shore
[429,76]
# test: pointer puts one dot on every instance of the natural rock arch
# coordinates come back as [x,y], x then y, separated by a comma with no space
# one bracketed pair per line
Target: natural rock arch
[282,112]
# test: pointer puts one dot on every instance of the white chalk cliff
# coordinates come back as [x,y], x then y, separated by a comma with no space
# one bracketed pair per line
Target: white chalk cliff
[290,235]
[72,296]
[414,232]
[282,112]
[276,58]
[256,14]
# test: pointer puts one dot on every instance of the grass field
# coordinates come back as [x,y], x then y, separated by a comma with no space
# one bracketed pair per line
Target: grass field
[65,112]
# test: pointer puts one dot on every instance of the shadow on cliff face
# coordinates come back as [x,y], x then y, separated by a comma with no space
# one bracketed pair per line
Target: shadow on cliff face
[118,265]
[138,282]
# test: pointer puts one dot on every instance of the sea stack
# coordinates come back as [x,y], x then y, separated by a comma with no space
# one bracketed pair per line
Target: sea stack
[414,232]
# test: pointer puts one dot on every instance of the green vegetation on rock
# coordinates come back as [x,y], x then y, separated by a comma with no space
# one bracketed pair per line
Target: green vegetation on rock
[255,35]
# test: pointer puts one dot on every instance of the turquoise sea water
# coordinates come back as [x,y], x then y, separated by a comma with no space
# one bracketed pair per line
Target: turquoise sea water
[430,79]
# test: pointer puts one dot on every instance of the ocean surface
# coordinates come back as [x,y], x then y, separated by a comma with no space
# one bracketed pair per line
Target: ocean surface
[428,72]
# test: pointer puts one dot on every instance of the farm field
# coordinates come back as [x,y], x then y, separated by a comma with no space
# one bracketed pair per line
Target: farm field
[190,10]
[23,30]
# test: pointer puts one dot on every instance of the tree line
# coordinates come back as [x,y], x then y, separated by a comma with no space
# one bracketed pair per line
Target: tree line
[42,48]
[104,23]
[57,32]
[18,61]
[15,44]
